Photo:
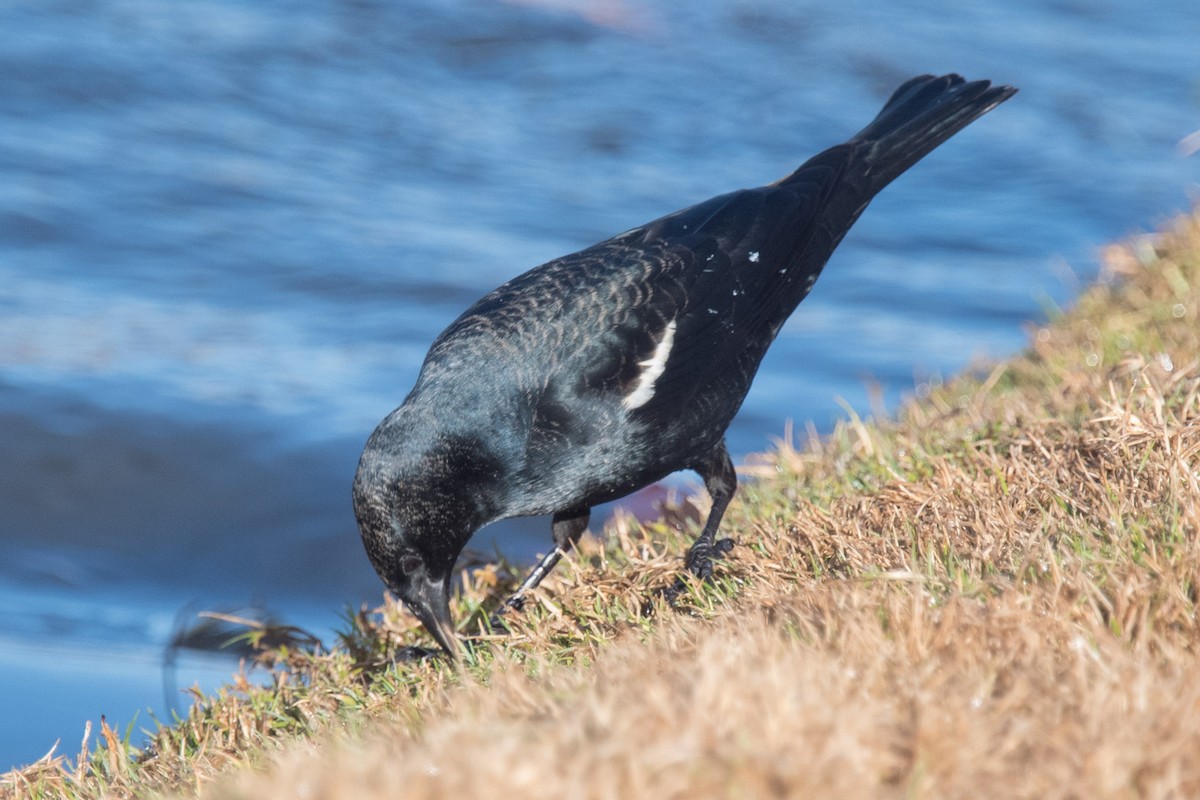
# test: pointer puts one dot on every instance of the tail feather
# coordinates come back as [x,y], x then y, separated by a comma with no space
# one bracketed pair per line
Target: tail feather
[920,115]
[833,188]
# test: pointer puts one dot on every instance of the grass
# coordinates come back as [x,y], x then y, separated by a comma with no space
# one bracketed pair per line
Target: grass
[993,594]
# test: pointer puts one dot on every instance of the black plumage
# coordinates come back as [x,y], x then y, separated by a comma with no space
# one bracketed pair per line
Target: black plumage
[600,372]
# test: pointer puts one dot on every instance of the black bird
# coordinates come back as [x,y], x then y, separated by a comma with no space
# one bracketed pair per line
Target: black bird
[600,372]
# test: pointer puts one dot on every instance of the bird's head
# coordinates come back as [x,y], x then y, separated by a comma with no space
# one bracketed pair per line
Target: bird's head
[418,499]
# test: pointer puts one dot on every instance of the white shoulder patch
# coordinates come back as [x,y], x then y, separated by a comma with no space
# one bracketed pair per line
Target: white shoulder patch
[652,369]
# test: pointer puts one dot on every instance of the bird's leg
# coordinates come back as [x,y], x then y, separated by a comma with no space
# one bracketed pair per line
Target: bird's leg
[720,480]
[566,529]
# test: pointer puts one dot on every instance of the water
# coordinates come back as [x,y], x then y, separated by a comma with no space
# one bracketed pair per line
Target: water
[229,231]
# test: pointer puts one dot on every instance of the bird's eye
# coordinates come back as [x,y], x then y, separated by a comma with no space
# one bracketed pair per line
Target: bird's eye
[410,563]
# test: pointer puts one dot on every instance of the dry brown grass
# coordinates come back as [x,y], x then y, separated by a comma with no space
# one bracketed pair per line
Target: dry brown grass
[879,690]
[993,595]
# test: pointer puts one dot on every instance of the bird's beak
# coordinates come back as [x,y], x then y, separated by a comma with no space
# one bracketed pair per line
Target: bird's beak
[430,601]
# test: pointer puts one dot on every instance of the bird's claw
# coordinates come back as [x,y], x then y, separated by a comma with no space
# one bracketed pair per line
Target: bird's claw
[699,562]
[496,621]
[699,559]
[410,653]
[669,595]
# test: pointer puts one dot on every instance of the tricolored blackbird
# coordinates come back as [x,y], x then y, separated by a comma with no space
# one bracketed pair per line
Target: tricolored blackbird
[602,371]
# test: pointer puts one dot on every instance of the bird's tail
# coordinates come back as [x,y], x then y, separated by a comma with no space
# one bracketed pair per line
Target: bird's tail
[834,187]
[924,112]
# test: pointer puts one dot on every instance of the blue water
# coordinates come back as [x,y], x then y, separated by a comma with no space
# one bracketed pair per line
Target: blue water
[229,231]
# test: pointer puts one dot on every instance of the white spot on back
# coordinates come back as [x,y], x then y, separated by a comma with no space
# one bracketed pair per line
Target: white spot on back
[754,256]
[652,369]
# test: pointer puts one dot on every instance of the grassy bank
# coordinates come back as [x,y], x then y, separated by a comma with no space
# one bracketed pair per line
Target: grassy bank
[994,594]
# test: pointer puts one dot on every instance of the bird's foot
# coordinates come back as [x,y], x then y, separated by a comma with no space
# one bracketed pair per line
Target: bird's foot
[699,559]
[514,603]
[699,562]
[410,653]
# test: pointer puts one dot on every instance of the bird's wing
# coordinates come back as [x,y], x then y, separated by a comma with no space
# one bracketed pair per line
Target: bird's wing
[657,314]
[584,322]
[743,261]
